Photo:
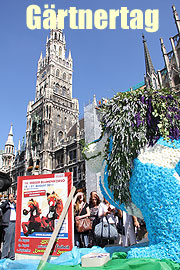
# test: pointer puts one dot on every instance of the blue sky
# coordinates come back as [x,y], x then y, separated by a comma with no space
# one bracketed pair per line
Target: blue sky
[105,61]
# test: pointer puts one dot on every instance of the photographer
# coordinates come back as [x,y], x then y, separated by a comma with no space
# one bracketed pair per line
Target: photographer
[8,222]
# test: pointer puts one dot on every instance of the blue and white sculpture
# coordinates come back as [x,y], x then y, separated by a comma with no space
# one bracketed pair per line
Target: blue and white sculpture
[154,187]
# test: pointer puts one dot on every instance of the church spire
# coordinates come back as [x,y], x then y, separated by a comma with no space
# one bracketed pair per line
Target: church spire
[151,78]
[8,155]
[40,58]
[19,146]
[148,62]
[167,63]
[176,18]
[39,63]
[10,138]
[69,56]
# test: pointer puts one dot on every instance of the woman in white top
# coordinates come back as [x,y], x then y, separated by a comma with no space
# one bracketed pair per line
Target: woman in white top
[107,211]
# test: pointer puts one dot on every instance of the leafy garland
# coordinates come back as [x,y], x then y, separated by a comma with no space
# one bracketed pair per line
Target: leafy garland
[136,119]
[86,147]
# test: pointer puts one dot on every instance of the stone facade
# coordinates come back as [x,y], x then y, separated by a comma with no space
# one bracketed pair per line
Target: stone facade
[169,76]
[92,132]
[68,154]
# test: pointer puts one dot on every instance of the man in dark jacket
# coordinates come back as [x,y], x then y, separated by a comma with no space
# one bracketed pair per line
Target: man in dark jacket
[8,222]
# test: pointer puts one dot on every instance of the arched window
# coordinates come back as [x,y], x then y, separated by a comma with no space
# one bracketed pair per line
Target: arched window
[56,89]
[40,92]
[64,91]
[47,111]
[55,36]
[55,48]
[34,127]
[64,76]
[31,162]
[57,73]
[154,84]
[60,51]
[60,135]
[37,162]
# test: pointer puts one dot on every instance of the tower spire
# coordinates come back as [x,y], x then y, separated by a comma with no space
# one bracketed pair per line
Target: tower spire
[23,144]
[69,56]
[176,18]
[40,58]
[10,138]
[167,63]
[19,146]
[148,62]
[8,155]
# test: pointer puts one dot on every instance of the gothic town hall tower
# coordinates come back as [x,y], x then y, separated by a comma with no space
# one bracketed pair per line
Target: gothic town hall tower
[54,111]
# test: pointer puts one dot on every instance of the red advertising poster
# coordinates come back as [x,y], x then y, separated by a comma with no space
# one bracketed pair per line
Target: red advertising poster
[40,201]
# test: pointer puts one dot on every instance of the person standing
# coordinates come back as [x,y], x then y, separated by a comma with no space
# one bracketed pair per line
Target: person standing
[130,223]
[1,226]
[9,222]
[81,210]
[142,233]
[120,227]
[94,202]
[107,212]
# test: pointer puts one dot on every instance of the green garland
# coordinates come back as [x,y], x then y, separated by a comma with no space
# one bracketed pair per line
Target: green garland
[86,147]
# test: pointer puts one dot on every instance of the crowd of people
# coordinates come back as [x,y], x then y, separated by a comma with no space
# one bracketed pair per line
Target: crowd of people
[130,229]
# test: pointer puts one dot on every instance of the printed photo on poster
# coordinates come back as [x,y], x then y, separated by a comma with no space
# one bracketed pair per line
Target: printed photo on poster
[42,204]
[40,201]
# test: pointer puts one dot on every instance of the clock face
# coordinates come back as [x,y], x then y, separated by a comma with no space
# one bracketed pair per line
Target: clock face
[43,75]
